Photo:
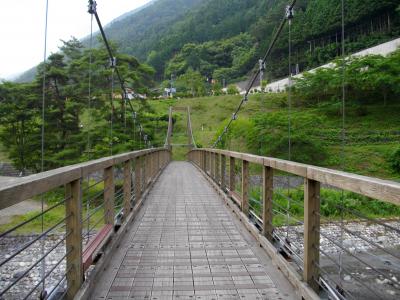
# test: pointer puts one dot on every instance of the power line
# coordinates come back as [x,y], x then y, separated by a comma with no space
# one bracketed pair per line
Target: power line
[256,74]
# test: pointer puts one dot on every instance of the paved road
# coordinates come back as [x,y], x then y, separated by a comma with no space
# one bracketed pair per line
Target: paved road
[185,244]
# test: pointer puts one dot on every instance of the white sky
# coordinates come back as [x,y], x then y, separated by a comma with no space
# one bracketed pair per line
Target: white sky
[22,27]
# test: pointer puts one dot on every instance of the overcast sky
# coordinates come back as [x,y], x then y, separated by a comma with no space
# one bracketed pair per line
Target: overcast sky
[22,27]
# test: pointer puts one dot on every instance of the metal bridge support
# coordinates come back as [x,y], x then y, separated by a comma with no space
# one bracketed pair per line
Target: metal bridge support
[311,232]
[109,191]
[73,193]
[268,192]
[245,187]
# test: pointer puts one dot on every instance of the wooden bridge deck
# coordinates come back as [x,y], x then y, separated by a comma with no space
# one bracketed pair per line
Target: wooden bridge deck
[186,244]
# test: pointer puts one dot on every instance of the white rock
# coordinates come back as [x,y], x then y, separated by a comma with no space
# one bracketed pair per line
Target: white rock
[347,278]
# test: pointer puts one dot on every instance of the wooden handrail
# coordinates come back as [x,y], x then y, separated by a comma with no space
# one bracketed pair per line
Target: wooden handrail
[383,190]
[21,189]
[149,163]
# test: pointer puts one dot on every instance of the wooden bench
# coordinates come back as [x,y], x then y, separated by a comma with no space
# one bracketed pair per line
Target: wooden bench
[95,244]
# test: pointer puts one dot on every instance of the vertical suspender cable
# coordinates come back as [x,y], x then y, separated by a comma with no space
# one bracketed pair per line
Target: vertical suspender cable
[43,240]
[89,145]
[289,16]
[112,111]
[343,162]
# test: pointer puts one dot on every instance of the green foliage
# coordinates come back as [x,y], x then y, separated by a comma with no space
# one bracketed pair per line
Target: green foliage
[395,160]
[69,123]
[367,79]
[232,89]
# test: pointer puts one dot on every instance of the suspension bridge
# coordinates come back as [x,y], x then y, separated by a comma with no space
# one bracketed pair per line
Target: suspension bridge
[220,225]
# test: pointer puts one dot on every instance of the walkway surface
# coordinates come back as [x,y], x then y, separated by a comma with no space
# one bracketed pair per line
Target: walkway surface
[186,244]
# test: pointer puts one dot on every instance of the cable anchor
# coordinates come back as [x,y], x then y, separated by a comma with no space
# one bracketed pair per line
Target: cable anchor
[262,65]
[289,12]
[113,63]
[92,7]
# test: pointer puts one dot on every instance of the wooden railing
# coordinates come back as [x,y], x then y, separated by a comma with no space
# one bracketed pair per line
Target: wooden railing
[213,163]
[145,165]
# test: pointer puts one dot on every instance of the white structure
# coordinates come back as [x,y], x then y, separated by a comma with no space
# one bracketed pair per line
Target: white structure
[382,49]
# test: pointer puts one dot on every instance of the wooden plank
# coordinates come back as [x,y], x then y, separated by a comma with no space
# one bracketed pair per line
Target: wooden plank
[245,187]
[268,192]
[109,190]
[21,189]
[17,191]
[311,232]
[384,190]
[73,210]
[232,180]
[94,244]
[127,187]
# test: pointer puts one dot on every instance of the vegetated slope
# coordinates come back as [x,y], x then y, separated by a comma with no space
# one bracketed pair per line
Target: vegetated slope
[140,31]
[262,129]
[175,36]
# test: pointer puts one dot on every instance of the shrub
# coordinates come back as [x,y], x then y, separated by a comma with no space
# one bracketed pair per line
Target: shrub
[394,160]
[232,89]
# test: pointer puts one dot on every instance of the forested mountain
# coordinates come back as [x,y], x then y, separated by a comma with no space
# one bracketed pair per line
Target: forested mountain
[223,39]
[208,35]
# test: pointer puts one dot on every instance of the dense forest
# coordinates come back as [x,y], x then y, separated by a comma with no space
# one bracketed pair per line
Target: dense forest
[208,36]
[76,128]
[169,34]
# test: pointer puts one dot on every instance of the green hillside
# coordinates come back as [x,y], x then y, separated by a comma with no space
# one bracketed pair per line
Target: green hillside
[371,139]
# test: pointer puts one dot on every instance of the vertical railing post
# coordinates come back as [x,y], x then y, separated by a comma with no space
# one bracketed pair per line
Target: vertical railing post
[109,191]
[217,169]
[73,242]
[144,171]
[127,188]
[268,192]
[232,179]
[212,165]
[245,187]
[311,232]
[138,178]
[223,168]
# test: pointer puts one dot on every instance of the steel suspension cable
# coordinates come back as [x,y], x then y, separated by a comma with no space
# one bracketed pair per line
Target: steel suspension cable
[89,146]
[256,74]
[43,240]
[289,16]
[93,11]
[343,150]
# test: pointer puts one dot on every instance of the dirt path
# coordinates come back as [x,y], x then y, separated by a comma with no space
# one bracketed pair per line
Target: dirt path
[18,209]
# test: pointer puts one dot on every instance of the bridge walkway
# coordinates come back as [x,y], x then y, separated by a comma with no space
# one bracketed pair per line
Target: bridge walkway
[186,244]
